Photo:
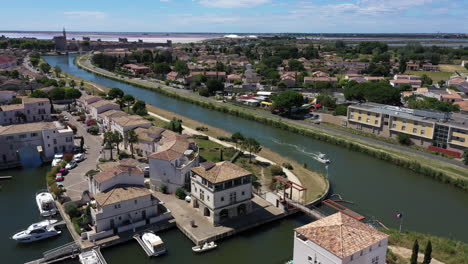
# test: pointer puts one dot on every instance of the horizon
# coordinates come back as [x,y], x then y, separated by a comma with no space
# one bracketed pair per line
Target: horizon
[241,16]
[229,32]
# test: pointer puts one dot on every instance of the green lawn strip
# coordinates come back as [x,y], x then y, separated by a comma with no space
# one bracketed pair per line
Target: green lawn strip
[443,249]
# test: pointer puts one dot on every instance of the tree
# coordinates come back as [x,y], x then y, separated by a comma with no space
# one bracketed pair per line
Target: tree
[72,93]
[81,83]
[287,100]
[203,91]
[404,139]
[15,101]
[57,93]
[129,99]
[38,94]
[109,142]
[180,193]
[72,84]
[161,68]
[465,156]
[252,146]
[132,138]
[115,93]
[378,92]
[139,108]
[175,125]
[44,67]
[414,254]
[117,139]
[237,138]
[295,65]
[34,61]
[427,253]
[82,144]
[181,67]
[214,85]
[57,71]
[426,80]
[341,110]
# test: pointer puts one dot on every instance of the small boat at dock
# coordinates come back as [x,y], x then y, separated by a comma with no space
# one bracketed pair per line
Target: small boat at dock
[153,243]
[205,247]
[46,204]
[91,257]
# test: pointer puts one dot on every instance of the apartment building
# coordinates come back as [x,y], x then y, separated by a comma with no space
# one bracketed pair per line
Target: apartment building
[30,110]
[426,128]
[45,138]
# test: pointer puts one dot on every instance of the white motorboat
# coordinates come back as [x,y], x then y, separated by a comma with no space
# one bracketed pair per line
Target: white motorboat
[205,247]
[323,158]
[154,243]
[37,231]
[90,257]
[46,204]
[57,159]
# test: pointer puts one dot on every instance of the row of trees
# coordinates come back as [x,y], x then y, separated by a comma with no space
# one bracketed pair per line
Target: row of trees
[378,92]
[250,145]
[137,106]
[114,139]
[30,44]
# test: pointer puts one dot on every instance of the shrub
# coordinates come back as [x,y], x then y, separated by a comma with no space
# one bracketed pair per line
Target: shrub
[91,122]
[222,138]
[404,139]
[91,172]
[55,189]
[276,170]
[94,130]
[201,128]
[72,210]
[164,189]
[180,193]
[341,110]
[287,166]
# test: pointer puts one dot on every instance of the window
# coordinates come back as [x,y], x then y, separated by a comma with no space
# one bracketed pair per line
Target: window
[367,120]
[404,121]
[403,128]
[243,193]
[10,137]
[55,141]
[69,139]
[22,136]
[33,134]
[422,131]
[136,201]
[222,199]
[368,113]
[208,198]
[359,118]
[415,130]
[375,260]
[360,254]
[393,125]
[376,122]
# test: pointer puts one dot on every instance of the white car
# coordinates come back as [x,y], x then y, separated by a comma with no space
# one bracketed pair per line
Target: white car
[79,157]
[146,171]
[72,164]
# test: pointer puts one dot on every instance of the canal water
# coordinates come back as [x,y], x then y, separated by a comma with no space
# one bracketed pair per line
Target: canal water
[378,189]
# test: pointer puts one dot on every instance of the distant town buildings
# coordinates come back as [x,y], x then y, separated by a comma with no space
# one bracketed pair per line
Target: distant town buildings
[30,110]
[339,239]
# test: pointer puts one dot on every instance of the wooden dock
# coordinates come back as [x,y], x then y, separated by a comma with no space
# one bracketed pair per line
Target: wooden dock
[310,209]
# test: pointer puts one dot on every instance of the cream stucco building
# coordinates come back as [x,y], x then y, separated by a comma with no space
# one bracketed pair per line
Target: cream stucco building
[339,239]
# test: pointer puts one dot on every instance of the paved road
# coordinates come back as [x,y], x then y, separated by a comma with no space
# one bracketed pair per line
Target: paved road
[75,181]
[269,115]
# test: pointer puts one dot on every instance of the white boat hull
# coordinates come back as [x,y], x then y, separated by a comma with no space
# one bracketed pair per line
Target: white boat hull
[204,248]
[43,198]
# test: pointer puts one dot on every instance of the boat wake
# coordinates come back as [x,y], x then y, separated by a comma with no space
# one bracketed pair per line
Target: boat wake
[315,155]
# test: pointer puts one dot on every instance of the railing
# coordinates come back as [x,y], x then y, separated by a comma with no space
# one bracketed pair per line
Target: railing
[67,249]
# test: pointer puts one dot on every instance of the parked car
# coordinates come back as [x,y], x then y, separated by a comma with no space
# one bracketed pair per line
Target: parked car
[63,171]
[146,171]
[60,186]
[79,157]
[66,118]
[59,177]
[72,164]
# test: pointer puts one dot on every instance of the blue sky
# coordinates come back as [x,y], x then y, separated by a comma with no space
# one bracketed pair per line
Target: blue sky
[310,16]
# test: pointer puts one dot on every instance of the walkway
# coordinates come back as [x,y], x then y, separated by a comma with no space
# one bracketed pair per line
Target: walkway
[88,66]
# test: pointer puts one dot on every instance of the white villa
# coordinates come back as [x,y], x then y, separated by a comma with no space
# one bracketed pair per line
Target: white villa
[101,106]
[170,165]
[148,139]
[86,100]
[221,191]
[30,110]
[46,138]
[122,174]
[105,118]
[122,124]
[339,239]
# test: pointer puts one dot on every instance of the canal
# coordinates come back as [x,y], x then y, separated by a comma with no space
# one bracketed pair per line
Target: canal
[378,189]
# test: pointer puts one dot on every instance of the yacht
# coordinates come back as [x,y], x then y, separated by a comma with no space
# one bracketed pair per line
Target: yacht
[323,158]
[90,257]
[154,243]
[45,203]
[37,231]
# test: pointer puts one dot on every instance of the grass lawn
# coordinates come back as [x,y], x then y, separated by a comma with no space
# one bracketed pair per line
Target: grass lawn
[211,151]
[435,76]
[443,249]
[452,68]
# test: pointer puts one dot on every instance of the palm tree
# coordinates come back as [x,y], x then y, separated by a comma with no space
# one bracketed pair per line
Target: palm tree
[117,139]
[252,146]
[108,140]
[131,137]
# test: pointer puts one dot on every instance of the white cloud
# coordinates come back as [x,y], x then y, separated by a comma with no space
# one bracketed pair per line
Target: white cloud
[232,3]
[86,14]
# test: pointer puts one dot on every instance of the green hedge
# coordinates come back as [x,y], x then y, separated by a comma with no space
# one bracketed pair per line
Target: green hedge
[278,123]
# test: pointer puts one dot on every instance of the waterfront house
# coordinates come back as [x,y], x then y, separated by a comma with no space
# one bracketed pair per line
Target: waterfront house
[123,123]
[7,96]
[172,161]
[123,209]
[102,106]
[123,174]
[339,239]
[86,100]
[105,118]
[137,69]
[44,138]
[30,110]
[221,191]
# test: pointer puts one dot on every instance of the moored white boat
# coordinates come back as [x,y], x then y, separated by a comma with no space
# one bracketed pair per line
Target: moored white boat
[205,247]
[37,231]
[46,204]
[154,243]
[323,158]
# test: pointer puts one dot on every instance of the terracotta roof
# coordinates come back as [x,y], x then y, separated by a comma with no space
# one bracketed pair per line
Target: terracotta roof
[222,171]
[118,195]
[130,120]
[341,235]
[102,103]
[172,146]
[25,128]
[28,100]
[463,104]
[149,134]
[112,113]
[12,107]
[117,170]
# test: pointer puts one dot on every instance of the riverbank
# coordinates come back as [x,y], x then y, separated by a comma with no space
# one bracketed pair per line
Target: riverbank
[425,164]
[443,249]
